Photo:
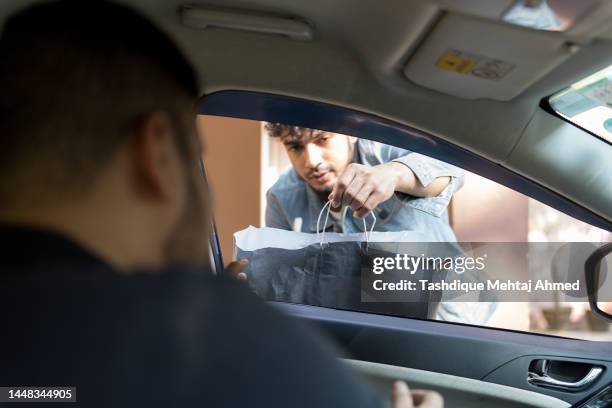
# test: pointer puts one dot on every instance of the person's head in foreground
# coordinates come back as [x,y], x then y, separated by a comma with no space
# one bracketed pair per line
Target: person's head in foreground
[97,119]
[98,134]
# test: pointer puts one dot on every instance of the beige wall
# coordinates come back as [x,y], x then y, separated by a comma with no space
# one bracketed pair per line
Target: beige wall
[232,158]
[485,211]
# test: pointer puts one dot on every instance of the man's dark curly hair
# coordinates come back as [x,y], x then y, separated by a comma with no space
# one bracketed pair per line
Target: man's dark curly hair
[282,130]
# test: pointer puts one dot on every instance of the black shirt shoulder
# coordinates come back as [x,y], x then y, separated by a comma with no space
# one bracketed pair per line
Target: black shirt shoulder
[165,338]
[248,352]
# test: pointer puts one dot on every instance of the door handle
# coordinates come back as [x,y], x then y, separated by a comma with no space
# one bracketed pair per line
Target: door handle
[543,379]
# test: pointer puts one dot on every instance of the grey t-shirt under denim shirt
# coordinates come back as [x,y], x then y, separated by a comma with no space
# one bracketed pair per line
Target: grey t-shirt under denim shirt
[293,205]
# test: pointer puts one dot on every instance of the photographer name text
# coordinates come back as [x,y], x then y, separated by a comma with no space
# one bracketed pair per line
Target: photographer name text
[540,285]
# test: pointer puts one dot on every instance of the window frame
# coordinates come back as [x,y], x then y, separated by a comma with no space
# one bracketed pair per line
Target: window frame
[313,114]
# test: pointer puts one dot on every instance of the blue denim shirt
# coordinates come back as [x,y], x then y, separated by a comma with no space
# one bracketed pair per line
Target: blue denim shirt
[293,205]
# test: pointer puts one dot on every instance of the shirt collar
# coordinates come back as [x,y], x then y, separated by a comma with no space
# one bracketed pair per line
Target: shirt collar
[29,247]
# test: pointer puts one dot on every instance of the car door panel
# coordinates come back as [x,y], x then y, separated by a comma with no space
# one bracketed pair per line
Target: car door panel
[459,392]
[490,355]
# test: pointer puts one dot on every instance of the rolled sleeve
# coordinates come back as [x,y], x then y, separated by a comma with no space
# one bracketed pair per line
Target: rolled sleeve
[426,171]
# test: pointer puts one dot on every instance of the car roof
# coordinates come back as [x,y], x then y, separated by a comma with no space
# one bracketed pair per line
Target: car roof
[364,55]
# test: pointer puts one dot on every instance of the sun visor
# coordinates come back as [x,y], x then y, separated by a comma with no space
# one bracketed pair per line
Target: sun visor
[474,58]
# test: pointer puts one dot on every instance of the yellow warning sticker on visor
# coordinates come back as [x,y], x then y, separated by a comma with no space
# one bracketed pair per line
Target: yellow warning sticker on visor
[473,64]
[455,63]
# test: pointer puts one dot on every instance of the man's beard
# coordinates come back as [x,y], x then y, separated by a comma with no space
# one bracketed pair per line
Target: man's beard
[322,168]
[188,245]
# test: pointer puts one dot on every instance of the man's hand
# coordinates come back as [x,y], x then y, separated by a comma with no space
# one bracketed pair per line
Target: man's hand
[363,188]
[235,270]
[403,397]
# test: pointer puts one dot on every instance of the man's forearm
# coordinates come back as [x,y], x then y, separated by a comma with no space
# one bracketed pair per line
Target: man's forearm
[407,182]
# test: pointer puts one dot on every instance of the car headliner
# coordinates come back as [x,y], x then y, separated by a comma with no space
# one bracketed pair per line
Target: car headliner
[356,60]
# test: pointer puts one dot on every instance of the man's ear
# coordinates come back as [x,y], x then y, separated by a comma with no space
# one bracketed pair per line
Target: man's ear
[155,159]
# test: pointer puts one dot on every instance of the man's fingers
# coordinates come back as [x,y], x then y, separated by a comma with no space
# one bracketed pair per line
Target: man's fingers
[337,194]
[427,399]
[370,204]
[403,397]
[400,395]
[361,197]
[235,269]
[352,191]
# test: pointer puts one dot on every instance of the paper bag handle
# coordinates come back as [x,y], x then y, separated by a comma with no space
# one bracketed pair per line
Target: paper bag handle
[328,206]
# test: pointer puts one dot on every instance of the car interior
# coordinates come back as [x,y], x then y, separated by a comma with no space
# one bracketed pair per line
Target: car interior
[517,93]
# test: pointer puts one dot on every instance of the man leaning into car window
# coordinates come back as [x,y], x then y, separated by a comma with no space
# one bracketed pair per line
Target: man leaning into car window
[405,190]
